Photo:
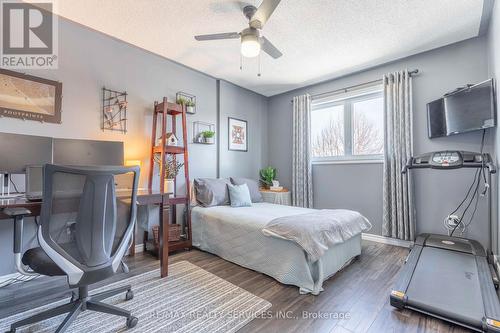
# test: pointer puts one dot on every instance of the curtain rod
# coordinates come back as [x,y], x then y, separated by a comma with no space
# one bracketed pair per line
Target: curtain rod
[413,72]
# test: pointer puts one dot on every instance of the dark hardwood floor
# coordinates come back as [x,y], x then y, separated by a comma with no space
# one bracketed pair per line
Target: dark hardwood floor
[360,293]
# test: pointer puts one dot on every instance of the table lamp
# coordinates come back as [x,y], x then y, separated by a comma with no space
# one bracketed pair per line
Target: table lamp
[133,163]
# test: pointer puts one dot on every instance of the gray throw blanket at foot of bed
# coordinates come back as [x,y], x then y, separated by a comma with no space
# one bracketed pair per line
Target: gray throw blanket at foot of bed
[318,231]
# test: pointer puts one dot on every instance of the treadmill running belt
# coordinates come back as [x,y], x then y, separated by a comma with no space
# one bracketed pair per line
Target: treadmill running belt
[454,294]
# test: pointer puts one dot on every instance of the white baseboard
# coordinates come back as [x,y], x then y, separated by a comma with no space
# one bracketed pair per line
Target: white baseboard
[139,248]
[386,240]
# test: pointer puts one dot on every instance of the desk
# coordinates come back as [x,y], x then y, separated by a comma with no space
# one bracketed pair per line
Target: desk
[144,197]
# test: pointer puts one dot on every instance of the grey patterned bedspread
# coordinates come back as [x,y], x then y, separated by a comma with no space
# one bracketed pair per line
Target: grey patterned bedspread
[318,231]
[235,234]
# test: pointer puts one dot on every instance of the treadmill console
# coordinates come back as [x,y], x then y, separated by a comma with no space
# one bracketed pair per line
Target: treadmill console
[449,159]
[446,159]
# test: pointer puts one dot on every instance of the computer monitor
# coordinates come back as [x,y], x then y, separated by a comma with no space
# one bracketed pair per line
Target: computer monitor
[87,152]
[18,150]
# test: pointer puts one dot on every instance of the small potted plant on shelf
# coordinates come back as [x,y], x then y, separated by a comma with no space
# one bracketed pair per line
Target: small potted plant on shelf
[190,106]
[208,136]
[172,168]
[181,100]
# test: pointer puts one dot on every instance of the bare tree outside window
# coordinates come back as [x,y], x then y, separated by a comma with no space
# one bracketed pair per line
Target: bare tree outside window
[327,132]
[368,139]
[363,119]
[330,140]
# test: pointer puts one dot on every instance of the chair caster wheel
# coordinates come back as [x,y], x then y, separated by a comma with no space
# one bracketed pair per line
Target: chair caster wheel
[129,295]
[132,322]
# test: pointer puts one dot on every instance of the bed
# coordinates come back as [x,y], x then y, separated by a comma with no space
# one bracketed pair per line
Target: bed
[235,234]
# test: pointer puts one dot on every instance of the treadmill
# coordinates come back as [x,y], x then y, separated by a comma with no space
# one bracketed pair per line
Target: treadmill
[451,278]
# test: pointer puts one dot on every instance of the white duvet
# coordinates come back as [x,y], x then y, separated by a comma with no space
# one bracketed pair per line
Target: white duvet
[235,234]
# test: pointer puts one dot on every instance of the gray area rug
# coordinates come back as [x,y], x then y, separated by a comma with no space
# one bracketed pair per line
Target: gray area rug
[190,299]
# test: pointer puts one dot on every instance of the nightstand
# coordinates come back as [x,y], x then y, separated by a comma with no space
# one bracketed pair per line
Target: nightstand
[283,197]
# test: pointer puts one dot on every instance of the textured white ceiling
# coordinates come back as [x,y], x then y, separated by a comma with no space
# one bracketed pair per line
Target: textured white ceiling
[320,39]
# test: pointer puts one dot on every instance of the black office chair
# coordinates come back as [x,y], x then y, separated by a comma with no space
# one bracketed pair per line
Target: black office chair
[86,227]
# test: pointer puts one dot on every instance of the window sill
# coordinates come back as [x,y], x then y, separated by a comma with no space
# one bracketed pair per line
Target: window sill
[360,161]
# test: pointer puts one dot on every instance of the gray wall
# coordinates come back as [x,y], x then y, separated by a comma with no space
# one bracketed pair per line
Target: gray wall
[494,70]
[249,106]
[359,186]
[89,60]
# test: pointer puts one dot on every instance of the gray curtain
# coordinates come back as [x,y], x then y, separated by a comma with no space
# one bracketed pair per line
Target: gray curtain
[399,217]
[301,167]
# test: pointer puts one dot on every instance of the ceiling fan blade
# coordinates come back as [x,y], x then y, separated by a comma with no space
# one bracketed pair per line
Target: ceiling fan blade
[231,6]
[269,48]
[226,35]
[263,13]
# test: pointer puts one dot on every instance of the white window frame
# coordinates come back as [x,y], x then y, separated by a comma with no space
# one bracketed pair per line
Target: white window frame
[347,101]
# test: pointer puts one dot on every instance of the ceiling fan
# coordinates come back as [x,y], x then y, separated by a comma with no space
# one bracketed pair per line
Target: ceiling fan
[251,40]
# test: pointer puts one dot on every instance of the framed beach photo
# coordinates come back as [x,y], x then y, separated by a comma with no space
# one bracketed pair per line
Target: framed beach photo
[29,97]
[237,134]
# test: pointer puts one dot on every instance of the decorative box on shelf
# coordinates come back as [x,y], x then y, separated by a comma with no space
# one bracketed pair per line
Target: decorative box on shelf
[278,197]
[176,239]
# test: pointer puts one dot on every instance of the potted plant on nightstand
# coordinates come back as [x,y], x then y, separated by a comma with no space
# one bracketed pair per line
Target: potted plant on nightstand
[267,176]
[172,168]
[208,136]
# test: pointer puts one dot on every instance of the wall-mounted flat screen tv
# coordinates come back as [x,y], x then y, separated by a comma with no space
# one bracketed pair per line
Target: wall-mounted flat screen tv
[467,109]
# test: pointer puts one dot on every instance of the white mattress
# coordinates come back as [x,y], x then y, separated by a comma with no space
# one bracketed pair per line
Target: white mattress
[235,235]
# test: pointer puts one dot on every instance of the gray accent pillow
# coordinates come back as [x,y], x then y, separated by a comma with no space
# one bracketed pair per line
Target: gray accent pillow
[211,191]
[239,195]
[253,187]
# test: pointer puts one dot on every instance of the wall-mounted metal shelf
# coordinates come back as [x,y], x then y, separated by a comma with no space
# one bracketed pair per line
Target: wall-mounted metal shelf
[201,130]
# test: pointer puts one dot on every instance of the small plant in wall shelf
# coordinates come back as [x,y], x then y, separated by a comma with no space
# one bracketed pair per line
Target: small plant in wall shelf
[182,100]
[189,103]
[208,136]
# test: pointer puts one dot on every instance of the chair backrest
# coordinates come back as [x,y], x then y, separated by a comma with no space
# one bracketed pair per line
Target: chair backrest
[87,219]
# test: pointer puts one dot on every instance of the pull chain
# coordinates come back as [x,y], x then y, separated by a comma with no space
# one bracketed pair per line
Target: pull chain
[241,62]
[258,74]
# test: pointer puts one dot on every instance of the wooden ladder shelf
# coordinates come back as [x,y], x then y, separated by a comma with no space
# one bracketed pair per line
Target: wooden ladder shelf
[163,112]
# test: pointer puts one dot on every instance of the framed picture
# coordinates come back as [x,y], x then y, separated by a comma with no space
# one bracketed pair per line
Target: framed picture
[238,134]
[30,97]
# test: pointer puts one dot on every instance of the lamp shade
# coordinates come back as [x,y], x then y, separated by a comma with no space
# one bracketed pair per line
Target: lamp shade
[133,163]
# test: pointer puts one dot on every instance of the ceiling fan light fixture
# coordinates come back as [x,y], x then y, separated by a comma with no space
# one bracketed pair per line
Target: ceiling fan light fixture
[250,46]
[251,41]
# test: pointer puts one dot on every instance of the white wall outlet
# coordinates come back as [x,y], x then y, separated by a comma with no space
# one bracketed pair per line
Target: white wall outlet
[452,220]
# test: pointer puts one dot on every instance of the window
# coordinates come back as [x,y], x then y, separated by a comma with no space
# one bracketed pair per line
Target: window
[350,127]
